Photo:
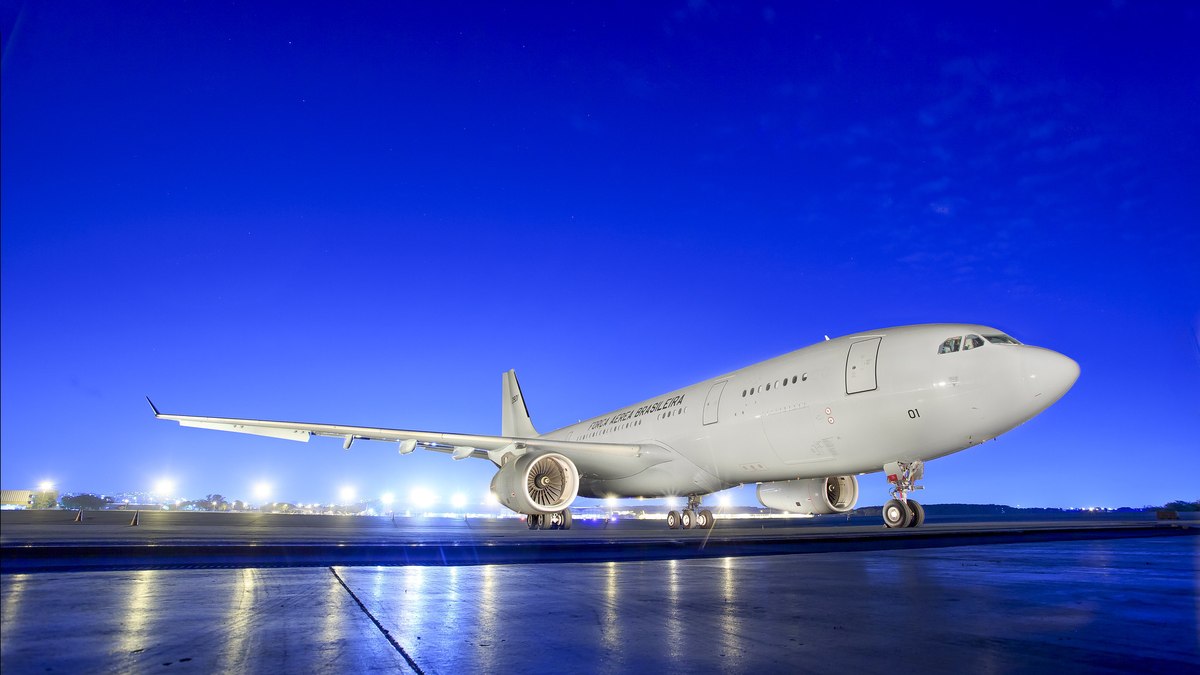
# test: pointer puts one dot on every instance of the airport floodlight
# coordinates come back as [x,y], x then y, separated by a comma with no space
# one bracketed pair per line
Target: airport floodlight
[422,498]
[387,498]
[672,501]
[724,501]
[262,490]
[164,487]
[45,486]
[458,501]
[347,493]
[610,502]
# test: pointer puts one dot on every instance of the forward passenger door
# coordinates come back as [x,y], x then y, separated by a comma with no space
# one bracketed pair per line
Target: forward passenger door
[860,366]
[712,403]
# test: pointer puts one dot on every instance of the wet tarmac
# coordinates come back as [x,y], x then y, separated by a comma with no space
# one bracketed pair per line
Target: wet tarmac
[50,541]
[1111,605]
[184,527]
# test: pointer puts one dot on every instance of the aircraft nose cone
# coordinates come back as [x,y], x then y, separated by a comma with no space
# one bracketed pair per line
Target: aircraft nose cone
[1048,375]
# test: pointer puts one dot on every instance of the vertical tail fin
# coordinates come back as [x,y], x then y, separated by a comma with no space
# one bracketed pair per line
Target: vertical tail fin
[514,415]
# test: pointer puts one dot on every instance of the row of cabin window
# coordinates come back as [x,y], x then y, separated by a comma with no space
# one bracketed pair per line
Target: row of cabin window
[751,390]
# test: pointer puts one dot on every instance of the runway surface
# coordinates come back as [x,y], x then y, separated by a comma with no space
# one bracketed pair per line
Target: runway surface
[1110,605]
[51,541]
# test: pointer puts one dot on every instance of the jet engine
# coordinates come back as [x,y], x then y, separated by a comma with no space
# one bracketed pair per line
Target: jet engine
[537,484]
[836,494]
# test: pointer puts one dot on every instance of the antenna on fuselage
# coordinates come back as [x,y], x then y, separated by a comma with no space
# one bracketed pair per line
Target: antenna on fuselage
[827,338]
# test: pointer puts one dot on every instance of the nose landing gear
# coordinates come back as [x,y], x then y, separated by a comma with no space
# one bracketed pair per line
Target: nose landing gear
[900,511]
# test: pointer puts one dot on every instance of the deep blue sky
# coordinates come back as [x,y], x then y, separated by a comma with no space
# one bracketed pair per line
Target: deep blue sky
[364,216]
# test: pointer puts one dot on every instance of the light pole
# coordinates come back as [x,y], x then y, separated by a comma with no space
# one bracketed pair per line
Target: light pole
[163,488]
[347,493]
[46,498]
[262,490]
[422,498]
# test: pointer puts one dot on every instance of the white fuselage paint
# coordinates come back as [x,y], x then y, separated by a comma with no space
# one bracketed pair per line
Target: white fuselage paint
[918,404]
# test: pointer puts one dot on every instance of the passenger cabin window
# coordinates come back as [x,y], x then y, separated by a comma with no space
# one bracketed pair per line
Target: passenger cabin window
[1000,340]
[950,345]
[971,342]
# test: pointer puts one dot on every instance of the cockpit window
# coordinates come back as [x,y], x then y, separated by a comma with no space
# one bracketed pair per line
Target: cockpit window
[950,345]
[1001,340]
[972,341]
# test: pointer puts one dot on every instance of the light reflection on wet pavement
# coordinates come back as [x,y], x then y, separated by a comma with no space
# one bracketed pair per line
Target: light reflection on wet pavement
[1071,606]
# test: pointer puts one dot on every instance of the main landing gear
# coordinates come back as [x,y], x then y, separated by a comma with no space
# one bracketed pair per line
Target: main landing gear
[692,516]
[559,520]
[901,511]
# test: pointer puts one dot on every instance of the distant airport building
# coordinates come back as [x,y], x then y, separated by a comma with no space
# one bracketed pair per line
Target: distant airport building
[16,499]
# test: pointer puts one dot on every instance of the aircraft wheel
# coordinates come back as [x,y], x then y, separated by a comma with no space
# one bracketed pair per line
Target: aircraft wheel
[896,514]
[705,520]
[918,513]
[673,520]
[686,518]
[553,521]
[566,519]
[532,521]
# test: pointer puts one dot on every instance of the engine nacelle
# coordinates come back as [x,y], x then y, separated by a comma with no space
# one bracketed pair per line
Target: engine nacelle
[537,484]
[836,494]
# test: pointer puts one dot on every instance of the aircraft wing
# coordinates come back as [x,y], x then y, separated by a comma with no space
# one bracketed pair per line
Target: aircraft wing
[460,446]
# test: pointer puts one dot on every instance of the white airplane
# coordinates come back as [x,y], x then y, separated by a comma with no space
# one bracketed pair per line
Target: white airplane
[801,426]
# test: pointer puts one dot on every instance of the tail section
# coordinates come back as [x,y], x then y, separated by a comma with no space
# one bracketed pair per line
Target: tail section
[514,415]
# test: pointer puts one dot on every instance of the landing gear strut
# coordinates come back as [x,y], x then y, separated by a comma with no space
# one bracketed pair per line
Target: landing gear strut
[900,511]
[559,520]
[692,516]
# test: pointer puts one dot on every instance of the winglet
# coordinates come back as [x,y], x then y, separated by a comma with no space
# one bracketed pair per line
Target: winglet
[152,406]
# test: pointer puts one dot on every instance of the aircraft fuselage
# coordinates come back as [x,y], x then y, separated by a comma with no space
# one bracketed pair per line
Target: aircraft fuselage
[840,407]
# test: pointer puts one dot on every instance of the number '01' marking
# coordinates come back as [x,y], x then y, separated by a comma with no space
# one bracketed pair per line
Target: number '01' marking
[914,414]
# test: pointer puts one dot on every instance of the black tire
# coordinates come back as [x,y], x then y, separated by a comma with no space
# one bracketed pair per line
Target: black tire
[673,520]
[706,517]
[566,520]
[531,521]
[686,518]
[918,513]
[896,514]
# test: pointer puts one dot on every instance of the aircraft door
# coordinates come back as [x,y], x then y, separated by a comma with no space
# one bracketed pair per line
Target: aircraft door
[712,404]
[860,366]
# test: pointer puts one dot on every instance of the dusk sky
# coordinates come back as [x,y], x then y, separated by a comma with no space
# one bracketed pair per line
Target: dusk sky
[364,215]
